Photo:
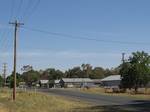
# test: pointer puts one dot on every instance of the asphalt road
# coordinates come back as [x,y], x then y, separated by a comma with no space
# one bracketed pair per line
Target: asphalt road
[95,99]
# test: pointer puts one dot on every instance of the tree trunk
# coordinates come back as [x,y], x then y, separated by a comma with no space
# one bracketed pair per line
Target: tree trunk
[136,89]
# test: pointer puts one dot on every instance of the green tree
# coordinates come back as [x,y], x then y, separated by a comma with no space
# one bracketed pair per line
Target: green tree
[136,72]
[10,79]
[112,71]
[75,72]
[87,69]
[30,76]
[1,81]
[52,74]
[97,73]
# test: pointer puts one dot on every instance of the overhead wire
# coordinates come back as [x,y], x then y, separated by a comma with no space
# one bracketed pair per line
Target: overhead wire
[19,9]
[5,43]
[27,16]
[28,6]
[63,35]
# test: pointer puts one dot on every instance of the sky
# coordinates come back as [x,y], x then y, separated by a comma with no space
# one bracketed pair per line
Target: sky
[111,26]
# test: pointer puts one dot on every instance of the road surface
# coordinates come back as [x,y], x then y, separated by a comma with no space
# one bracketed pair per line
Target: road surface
[95,99]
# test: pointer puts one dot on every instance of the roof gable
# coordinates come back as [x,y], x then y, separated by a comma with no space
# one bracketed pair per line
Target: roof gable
[112,77]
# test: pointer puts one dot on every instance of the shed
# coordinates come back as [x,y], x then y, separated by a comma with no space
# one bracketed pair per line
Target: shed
[74,82]
[112,81]
[44,83]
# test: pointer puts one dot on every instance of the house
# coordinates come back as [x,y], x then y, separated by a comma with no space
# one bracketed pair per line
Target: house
[97,81]
[44,83]
[112,81]
[73,82]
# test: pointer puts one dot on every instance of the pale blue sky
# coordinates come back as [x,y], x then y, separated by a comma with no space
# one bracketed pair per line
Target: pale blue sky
[110,20]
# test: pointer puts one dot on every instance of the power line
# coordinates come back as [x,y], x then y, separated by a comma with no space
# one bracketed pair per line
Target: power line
[12,9]
[28,6]
[33,9]
[14,15]
[20,7]
[5,40]
[63,35]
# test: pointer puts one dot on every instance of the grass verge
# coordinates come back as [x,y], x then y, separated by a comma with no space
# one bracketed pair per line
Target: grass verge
[37,102]
[102,91]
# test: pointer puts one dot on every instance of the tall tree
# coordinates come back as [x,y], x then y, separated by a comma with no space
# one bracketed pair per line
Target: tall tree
[75,72]
[10,79]
[1,81]
[52,74]
[30,76]
[97,73]
[136,72]
[87,68]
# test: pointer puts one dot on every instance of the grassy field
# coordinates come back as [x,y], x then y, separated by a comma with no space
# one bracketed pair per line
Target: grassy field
[38,102]
[41,102]
[102,91]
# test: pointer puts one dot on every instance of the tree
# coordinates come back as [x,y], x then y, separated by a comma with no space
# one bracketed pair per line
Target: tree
[112,71]
[87,69]
[97,73]
[10,79]
[75,72]
[1,81]
[52,74]
[136,72]
[30,76]
[127,80]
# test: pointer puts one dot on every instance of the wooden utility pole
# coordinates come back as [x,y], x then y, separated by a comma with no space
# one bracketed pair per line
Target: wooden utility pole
[16,24]
[123,56]
[4,73]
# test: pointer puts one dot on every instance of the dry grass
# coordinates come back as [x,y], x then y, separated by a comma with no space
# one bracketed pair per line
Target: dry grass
[102,91]
[37,102]
[40,102]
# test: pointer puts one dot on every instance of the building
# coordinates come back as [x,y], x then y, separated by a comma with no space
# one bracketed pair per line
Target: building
[74,82]
[44,83]
[112,81]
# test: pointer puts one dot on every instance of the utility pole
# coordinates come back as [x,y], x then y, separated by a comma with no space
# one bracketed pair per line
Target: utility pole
[16,25]
[123,57]
[4,73]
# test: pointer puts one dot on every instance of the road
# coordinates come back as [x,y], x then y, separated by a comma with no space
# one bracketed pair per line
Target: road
[95,99]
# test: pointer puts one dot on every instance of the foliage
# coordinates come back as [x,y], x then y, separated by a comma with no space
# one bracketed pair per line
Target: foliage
[30,76]
[136,71]
[10,79]
[1,81]
[52,74]
[97,73]
[75,72]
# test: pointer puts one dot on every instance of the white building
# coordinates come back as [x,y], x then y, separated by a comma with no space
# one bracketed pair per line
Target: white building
[44,83]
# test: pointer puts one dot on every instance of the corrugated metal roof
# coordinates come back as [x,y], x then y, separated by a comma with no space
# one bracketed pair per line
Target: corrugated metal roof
[112,77]
[70,80]
[56,81]
[77,80]
[44,81]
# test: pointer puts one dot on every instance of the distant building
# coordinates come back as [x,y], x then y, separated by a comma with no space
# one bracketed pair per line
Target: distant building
[112,81]
[44,83]
[73,82]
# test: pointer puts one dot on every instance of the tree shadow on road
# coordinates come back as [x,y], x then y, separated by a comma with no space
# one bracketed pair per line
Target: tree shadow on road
[136,106]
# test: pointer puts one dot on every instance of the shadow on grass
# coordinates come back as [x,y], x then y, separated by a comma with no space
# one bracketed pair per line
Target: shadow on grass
[136,106]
